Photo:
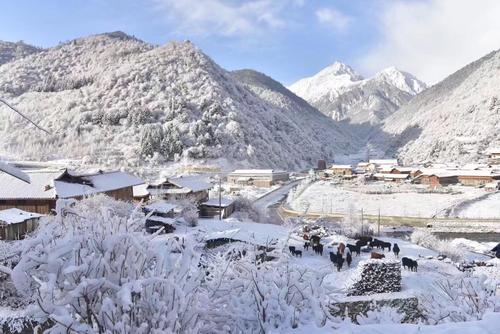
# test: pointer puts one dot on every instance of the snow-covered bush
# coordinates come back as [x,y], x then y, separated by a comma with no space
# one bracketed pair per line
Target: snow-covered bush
[190,213]
[93,269]
[459,299]
[270,295]
[245,210]
[97,271]
[426,239]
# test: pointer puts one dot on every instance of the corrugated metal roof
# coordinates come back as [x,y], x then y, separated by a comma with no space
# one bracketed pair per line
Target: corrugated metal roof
[41,185]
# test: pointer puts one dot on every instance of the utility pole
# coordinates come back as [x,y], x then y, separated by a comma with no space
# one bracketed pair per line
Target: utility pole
[220,198]
[362,228]
[378,232]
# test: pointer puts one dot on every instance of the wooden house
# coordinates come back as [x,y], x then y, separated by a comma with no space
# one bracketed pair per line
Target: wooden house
[493,156]
[341,170]
[46,186]
[388,177]
[435,180]
[15,223]
[188,188]
[212,207]
[160,215]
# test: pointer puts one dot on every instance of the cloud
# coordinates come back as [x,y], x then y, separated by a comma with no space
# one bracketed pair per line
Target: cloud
[433,38]
[225,17]
[333,18]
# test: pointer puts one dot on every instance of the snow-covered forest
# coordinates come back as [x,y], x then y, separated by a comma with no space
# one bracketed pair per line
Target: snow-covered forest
[113,99]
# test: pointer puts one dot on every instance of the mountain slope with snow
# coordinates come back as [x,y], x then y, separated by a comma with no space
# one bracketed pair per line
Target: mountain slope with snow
[339,92]
[11,51]
[113,99]
[456,120]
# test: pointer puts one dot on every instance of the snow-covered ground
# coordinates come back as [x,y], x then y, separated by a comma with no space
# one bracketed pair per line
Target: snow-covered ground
[485,208]
[390,199]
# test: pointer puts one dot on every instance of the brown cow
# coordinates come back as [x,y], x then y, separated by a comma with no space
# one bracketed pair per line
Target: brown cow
[377,256]
[341,248]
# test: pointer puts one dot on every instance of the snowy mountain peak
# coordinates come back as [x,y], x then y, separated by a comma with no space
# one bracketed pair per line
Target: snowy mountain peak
[330,81]
[339,92]
[340,69]
[402,80]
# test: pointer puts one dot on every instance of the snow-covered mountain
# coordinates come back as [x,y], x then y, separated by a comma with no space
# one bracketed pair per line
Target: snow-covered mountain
[456,120]
[11,51]
[112,98]
[339,92]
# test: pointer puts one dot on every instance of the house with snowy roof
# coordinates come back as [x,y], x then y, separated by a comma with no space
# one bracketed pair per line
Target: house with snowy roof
[46,186]
[190,188]
[215,207]
[257,177]
[15,223]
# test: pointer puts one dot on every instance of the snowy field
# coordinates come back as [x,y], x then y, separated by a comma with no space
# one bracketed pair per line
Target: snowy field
[486,208]
[391,200]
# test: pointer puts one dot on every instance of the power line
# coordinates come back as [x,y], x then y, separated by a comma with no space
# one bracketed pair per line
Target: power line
[23,116]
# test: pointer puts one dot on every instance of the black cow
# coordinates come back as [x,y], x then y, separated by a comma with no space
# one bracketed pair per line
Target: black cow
[291,249]
[306,245]
[380,244]
[396,250]
[297,253]
[340,262]
[354,249]
[348,259]
[411,264]
[333,257]
[319,248]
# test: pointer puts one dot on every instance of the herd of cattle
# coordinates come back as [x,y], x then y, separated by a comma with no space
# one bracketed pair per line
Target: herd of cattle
[344,252]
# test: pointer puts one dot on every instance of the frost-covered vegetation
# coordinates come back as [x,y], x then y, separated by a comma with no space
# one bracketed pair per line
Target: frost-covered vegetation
[93,269]
[113,99]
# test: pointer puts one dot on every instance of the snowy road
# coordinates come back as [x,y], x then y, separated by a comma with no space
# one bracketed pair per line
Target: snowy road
[265,203]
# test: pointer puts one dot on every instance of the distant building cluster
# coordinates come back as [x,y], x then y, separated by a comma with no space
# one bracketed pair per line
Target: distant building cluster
[433,175]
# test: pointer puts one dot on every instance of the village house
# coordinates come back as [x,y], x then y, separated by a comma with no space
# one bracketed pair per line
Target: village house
[391,177]
[212,208]
[257,177]
[189,188]
[437,179]
[159,214]
[477,177]
[363,167]
[46,186]
[493,156]
[341,170]
[15,223]
[379,163]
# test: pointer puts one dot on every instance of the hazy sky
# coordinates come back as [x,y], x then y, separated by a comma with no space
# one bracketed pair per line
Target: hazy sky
[286,39]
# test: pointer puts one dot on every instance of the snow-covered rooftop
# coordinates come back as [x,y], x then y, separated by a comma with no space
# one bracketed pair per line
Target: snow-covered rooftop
[391,176]
[13,171]
[257,171]
[163,220]
[392,162]
[225,202]
[15,216]
[160,206]
[98,183]
[41,185]
[341,167]
[192,183]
